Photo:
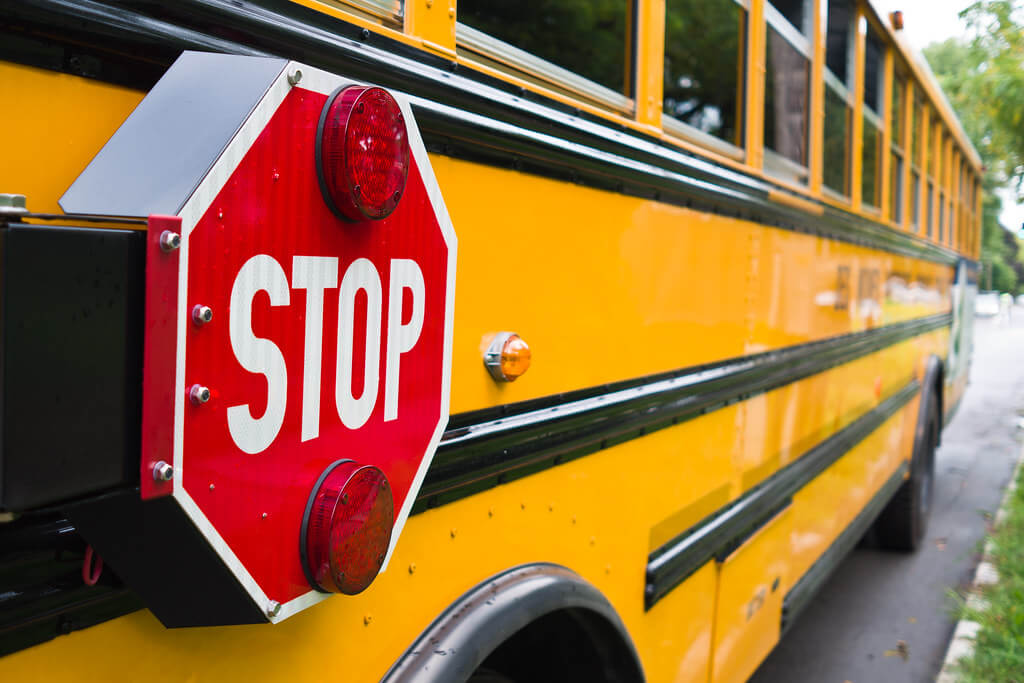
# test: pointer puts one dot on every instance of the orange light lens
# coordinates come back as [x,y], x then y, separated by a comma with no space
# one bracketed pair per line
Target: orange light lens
[515,357]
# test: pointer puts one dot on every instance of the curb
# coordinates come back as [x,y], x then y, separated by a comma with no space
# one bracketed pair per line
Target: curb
[962,644]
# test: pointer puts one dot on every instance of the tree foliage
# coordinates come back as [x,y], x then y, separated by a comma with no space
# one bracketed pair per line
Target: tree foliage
[983,77]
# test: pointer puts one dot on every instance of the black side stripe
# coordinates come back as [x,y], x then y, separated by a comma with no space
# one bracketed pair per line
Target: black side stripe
[485,448]
[801,593]
[462,112]
[671,564]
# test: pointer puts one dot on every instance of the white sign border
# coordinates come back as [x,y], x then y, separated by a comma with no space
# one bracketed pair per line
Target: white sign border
[192,211]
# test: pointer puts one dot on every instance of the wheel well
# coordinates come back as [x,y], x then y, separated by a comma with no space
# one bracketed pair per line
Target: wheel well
[565,645]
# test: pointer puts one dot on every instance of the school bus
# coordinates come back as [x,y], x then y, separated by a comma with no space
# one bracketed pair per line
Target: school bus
[727,250]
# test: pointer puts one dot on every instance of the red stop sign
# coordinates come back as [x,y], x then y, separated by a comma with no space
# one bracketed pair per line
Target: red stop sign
[326,339]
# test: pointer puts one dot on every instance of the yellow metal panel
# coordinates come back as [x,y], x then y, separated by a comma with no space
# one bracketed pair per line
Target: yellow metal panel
[749,605]
[817,122]
[857,146]
[433,22]
[754,111]
[650,62]
[55,124]
[676,634]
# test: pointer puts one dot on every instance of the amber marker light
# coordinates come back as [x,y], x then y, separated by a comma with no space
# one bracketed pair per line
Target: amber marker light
[507,357]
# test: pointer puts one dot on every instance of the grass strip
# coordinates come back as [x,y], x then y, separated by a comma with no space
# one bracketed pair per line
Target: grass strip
[999,648]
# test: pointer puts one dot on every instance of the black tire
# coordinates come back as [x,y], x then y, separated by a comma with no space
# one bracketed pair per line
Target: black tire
[483,675]
[902,524]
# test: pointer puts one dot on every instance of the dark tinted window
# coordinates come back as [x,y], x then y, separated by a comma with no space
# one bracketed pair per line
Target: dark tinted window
[704,65]
[837,41]
[896,110]
[896,189]
[785,99]
[587,37]
[797,12]
[874,51]
[836,171]
[870,168]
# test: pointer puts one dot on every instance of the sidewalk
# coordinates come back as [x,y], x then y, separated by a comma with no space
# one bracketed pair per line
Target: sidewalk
[959,663]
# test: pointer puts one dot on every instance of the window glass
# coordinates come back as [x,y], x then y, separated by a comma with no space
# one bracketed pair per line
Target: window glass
[930,209]
[587,37]
[896,189]
[915,199]
[915,129]
[874,50]
[797,12]
[942,216]
[704,65]
[870,168]
[837,134]
[785,99]
[837,40]
[896,110]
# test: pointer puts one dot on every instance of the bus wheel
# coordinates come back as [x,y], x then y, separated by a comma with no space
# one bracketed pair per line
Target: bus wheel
[902,523]
[483,675]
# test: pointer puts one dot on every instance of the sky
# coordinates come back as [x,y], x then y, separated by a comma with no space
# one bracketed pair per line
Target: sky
[928,21]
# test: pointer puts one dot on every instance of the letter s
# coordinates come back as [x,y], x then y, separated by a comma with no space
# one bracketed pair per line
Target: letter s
[257,355]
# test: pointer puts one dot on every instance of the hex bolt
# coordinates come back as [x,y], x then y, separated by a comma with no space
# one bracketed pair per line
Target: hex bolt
[162,471]
[201,314]
[199,394]
[169,240]
[273,609]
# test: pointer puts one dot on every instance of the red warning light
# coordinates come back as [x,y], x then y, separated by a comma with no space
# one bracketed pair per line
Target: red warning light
[362,153]
[347,528]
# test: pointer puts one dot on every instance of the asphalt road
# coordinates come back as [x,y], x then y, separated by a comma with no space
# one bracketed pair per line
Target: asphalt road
[853,629]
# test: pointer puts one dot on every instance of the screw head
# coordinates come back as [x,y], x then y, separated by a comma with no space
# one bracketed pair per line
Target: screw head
[169,240]
[199,394]
[274,608]
[201,314]
[162,471]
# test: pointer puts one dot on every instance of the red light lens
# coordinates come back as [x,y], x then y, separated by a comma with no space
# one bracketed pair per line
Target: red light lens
[363,151]
[348,529]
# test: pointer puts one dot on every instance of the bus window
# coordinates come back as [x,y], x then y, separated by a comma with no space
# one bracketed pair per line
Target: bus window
[787,80]
[570,42]
[896,114]
[915,164]
[871,167]
[838,98]
[704,69]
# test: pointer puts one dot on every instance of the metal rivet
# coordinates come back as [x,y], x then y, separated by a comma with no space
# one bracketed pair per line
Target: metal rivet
[454,531]
[593,540]
[162,471]
[451,11]
[169,240]
[199,394]
[276,176]
[201,314]
[220,214]
[365,33]
[344,499]
[551,507]
[211,487]
[490,512]
[412,567]
[273,608]
[367,619]
[263,516]
[430,3]
[294,77]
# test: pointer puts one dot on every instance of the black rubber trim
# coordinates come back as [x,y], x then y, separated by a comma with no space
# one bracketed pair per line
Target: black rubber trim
[485,448]
[305,524]
[482,118]
[462,637]
[672,563]
[801,593]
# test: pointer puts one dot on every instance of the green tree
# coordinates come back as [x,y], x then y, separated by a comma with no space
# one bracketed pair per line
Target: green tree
[983,78]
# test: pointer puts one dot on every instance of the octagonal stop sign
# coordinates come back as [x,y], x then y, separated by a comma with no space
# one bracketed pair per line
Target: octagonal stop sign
[297,361]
